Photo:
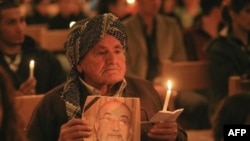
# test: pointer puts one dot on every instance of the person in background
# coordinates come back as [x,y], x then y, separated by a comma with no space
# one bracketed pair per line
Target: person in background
[168,8]
[40,13]
[117,7]
[187,11]
[203,30]
[231,110]
[196,38]
[229,54]
[153,38]
[17,50]
[69,11]
[10,124]
[96,50]
[25,6]
[225,17]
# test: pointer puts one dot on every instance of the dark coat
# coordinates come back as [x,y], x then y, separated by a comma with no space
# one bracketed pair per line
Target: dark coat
[169,44]
[50,114]
[227,58]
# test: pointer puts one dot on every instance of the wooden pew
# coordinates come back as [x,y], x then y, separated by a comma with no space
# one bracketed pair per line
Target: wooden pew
[53,40]
[234,85]
[185,76]
[25,105]
[36,32]
[188,75]
[238,85]
[200,135]
[194,75]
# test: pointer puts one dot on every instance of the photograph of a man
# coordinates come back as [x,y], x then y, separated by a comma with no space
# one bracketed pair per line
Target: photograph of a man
[113,118]
[113,122]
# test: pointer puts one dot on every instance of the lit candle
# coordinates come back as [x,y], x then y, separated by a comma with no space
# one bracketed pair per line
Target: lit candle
[32,66]
[130,1]
[168,94]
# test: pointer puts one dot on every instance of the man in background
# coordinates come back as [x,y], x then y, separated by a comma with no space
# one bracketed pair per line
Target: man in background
[230,54]
[17,50]
[152,39]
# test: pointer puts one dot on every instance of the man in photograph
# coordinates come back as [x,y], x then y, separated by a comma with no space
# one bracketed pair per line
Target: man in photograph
[113,122]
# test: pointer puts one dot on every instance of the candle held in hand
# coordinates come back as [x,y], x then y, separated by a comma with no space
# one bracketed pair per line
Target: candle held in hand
[32,66]
[168,94]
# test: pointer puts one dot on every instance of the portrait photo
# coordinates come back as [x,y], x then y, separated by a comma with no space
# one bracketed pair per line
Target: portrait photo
[113,118]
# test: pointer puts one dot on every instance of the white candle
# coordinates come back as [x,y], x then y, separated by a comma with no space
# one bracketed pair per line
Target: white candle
[32,66]
[168,94]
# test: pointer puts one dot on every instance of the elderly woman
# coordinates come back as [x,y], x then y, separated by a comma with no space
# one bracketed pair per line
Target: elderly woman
[96,51]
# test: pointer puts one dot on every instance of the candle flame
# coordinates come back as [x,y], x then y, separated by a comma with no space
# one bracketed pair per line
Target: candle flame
[169,85]
[32,63]
[168,95]
[130,1]
[32,66]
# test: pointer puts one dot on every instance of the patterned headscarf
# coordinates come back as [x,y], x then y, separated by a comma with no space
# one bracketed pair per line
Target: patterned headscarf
[83,36]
